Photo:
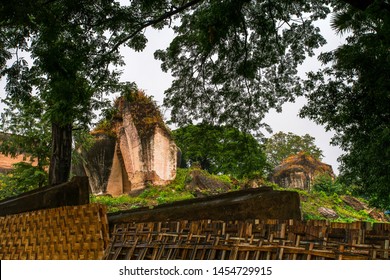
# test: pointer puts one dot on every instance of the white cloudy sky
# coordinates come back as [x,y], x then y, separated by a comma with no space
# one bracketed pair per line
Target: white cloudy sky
[146,72]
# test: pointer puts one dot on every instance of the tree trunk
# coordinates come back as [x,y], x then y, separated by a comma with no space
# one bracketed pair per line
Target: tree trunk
[60,162]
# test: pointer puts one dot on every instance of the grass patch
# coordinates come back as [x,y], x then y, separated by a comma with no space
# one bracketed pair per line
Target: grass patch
[123,202]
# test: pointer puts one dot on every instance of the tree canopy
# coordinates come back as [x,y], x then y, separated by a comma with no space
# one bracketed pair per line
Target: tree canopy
[233,60]
[282,145]
[27,132]
[220,149]
[68,45]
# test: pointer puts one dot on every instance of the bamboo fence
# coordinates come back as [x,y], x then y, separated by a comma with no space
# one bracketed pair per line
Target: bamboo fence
[70,232]
[249,240]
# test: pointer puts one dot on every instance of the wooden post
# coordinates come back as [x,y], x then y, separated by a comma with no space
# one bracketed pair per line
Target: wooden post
[283,231]
[341,251]
[297,241]
[311,246]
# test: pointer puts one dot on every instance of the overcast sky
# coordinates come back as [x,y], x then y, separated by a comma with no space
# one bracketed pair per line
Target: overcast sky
[142,68]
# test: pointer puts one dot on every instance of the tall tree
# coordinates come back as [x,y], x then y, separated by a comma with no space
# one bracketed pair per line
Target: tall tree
[351,95]
[282,145]
[70,71]
[74,46]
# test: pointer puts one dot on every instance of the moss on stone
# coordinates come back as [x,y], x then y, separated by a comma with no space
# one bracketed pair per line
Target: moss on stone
[144,112]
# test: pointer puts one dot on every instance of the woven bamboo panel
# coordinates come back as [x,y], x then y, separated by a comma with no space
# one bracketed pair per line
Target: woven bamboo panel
[244,240]
[71,232]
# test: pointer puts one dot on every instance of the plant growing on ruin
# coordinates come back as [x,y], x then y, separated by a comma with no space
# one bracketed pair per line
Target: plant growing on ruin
[324,182]
[144,112]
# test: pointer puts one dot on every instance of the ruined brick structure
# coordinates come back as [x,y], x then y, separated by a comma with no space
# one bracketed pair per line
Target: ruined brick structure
[298,171]
[136,150]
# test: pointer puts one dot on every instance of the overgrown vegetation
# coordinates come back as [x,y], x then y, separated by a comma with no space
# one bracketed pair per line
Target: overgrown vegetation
[220,150]
[325,183]
[143,109]
[311,202]
[151,196]
[332,194]
[24,177]
[326,193]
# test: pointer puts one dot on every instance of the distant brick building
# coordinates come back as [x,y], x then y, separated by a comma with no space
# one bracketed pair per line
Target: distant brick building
[7,162]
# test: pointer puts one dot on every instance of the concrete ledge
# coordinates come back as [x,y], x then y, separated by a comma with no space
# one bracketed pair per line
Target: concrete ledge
[75,192]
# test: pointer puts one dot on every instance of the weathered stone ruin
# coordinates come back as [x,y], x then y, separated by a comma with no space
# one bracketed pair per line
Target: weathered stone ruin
[136,149]
[298,171]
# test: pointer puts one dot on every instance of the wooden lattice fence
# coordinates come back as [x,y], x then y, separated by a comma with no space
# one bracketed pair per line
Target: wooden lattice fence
[69,232]
[249,240]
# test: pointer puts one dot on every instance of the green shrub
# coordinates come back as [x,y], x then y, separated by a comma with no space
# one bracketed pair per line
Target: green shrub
[181,179]
[24,177]
[325,183]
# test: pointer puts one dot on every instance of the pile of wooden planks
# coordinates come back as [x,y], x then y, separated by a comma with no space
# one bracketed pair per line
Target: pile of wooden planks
[249,240]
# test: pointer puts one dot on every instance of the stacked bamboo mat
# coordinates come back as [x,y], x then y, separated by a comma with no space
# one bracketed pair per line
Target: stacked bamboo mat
[70,232]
